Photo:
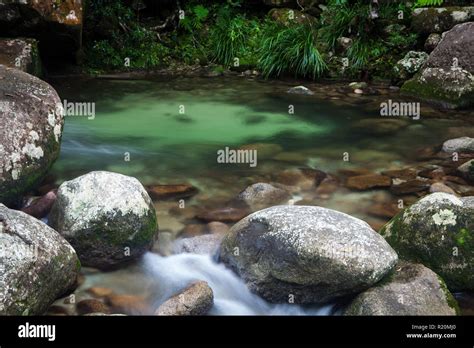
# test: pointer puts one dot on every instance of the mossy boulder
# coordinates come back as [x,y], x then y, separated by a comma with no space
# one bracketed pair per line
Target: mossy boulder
[107,217]
[427,20]
[31,115]
[37,265]
[412,289]
[451,88]
[410,64]
[306,254]
[447,78]
[437,231]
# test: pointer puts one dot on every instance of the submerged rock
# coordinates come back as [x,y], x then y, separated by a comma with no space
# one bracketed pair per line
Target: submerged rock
[412,289]
[159,192]
[262,195]
[369,181]
[306,254]
[36,264]
[196,299]
[91,306]
[128,304]
[206,244]
[107,217]
[31,115]
[21,54]
[437,232]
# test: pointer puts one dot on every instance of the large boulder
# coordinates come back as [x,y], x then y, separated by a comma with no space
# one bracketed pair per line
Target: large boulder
[437,232]
[21,54]
[36,264]
[427,20]
[31,115]
[56,24]
[447,78]
[456,47]
[196,299]
[412,289]
[107,217]
[306,254]
[460,145]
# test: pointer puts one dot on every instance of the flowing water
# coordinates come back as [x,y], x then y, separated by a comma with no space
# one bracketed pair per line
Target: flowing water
[169,131]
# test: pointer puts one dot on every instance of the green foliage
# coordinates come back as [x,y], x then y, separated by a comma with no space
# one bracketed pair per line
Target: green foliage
[233,36]
[292,50]
[195,18]
[372,48]
[423,3]
[118,36]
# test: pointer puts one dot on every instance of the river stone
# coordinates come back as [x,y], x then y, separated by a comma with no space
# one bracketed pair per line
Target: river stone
[437,20]
[412,289]
[262,195]
[463,144]
[467,170]
[306,254]
[21,54]
[300,90]
[36,264]
[197,299]
[437,232]
[206,244]
[107,217]
[31,115]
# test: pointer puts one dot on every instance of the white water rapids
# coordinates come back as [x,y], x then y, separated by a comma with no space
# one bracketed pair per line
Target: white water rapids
[231,295]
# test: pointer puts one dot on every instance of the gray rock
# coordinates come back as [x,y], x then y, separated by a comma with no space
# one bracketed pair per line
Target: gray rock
[457,44]
[21,54]
[205,244]
[467,170]
[412,289]
[463,144]
[31,115]
[410,64]
[300,90]
[107,217]
[262,195]
[36,264]
[197,299]
[306,254]
[436,231]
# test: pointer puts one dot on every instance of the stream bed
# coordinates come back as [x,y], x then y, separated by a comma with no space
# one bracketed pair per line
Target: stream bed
[169,131]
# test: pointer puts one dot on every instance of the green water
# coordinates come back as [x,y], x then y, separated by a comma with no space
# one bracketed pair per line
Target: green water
[171,130]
